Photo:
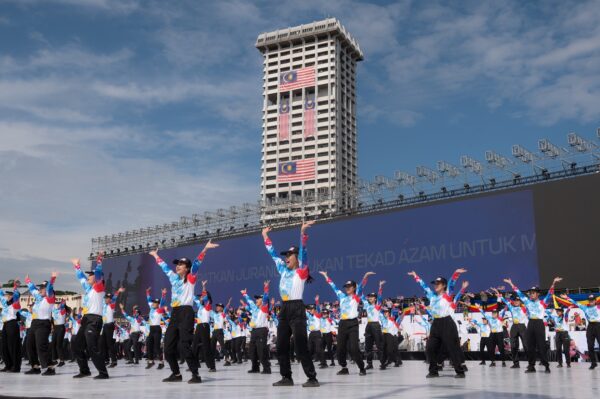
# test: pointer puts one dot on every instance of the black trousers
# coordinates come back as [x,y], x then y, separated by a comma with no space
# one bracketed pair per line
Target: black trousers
[348,340]
[292,321]
[485,347]
[259,348]
[58,337]
[11,345]
[563,343]
[390,349]
[127,349]
[86,343]
[137,345]
[315,346]
[536,341]
[38,346]
[593,334]
[181,331]
[373,335]
[218,336]
[201,345]
[236,349]
[328,346]
[107,343]
[444,334]
[517,331]
[496,339]
[153,343]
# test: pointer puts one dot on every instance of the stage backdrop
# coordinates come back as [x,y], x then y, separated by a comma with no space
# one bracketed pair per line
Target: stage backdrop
[492,236]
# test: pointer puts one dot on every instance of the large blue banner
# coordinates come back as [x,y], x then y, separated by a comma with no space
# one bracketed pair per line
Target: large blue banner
[491,236]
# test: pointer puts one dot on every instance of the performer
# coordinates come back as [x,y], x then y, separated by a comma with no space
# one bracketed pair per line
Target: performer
[592,314]
[562,339]
[327,328]
[496,337]
[294,273]
[443,330]
[348,329]
[484,334]
[315,336]
[202,333]
[107,339]
[11,334]
[373,332]
[85,343]
[218,334]
[536,331]
[259,345]
[517,330]
[181,326]
[155,317]
[390,323]
[235,322]
[59,313]
[135,324]
[38,349]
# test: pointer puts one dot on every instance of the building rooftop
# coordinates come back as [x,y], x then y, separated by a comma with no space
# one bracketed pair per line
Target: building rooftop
[265,40]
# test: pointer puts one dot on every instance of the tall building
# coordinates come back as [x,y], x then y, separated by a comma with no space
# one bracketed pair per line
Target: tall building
[308,162]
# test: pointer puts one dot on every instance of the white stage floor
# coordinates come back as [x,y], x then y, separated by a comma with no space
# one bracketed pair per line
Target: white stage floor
[407,381]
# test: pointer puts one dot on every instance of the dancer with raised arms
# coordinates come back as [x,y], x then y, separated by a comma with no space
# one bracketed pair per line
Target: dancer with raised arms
[294,274]
[181,325]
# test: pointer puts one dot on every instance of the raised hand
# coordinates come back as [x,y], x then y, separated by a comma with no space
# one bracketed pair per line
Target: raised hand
[266,283]
[210,245]
[306,225]
[508,281]
[76,262]
[120,290]
[204,283]
[163,291]
[122,306]
[413,274]
[266,231]
[54,275]
[465,284]
[244,291]
[154,253]
[556,280]
[460,270]
[323,273]
[381,283]
[316,298]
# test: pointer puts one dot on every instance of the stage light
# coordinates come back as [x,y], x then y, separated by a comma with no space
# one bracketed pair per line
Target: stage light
[493,182]
[573,165]
[444,190]
[163,241]
[401,197]
[516,178]
[466,186]
[245,224]
[231,228]
[206,232]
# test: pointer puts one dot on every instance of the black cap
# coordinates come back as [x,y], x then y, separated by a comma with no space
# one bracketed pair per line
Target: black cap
[8,293]
[310,307]
[350,283]
[89,273]
[372,295]
[156,300]
[516,298]
[591,297]
[385,309]
[440,280]
[292,250]
[107,295]
[220,305]
[535,288]
[43,284]
[188,263]
[258,296]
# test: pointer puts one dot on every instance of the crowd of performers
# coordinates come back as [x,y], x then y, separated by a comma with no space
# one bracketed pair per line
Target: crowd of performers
[194,330]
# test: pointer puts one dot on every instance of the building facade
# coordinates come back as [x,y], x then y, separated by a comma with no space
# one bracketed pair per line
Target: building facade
[309,155]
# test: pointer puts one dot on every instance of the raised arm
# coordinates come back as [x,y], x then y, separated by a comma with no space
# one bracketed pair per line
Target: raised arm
[426,288]
[363,283]
[551,290]
[98,272]
[249,300]
[33,289]
[265,301]
[279,263]
[50,286]
[454,278]
[80,275]
[523,297]
[332,285]
[149,298]
[302,255]
[380,293]
[198,261]
[163,265]
[463,288]
[125,315]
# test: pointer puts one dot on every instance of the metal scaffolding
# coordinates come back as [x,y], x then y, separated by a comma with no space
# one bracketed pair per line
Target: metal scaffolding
[497,172]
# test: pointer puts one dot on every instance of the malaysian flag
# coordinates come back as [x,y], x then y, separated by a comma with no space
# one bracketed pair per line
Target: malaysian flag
[284,120]
[291,80]
[296,170]
[309,116]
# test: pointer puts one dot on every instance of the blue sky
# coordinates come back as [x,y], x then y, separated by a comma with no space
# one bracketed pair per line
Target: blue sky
[117,114]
